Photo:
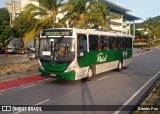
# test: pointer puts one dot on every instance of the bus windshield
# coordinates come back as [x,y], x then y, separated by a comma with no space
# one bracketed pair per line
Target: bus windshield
[58,50]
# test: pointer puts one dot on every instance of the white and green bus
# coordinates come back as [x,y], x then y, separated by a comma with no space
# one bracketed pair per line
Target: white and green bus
[72,54]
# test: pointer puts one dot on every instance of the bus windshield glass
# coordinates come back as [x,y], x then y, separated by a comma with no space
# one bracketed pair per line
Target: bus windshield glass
[58,49]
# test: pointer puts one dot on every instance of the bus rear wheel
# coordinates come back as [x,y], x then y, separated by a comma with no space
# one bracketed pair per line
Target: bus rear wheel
[90,74]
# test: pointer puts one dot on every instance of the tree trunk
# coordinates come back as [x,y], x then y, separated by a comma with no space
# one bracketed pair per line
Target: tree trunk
[23,42]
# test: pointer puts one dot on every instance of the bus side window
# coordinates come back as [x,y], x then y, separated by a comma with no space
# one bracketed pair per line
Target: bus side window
[112,43]
[104,42]
[81,44]
[118,43]
[93,42]
[124,43]
[129,42]
[99,47]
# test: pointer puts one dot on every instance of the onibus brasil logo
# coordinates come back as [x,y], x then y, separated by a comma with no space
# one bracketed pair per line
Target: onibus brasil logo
[101,57]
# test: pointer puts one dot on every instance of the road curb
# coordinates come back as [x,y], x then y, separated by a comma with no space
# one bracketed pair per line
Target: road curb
[20,81]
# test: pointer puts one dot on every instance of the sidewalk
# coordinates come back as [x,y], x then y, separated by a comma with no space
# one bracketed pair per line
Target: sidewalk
[10,58]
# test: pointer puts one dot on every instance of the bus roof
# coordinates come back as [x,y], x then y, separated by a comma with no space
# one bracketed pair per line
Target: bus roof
[92,32]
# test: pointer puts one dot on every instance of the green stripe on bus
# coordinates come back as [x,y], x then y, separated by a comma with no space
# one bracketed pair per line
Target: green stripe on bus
[99,57]
[63,76]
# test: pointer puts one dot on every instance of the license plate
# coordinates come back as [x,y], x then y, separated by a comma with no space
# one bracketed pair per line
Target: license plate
[53,75]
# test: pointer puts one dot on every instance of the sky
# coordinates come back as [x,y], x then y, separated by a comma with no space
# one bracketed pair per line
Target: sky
[140,8]
[2,3]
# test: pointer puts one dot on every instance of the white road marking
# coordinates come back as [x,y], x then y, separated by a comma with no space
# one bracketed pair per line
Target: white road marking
[28,86]
[131,66]
[135,94]
[102,78]
[42,102]
[34,105]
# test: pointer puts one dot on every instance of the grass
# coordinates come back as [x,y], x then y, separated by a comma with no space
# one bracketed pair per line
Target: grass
[11,68]
[152,100]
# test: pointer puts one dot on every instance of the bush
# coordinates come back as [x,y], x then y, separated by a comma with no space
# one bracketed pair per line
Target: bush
[139,45]
[153,44]
[157,102]
[20,48]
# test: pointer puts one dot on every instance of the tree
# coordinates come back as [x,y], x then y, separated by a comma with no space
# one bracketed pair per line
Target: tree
[102,14]
[76,13]
[21,26]
[82,13]
[152,29]
[140,33]
[46,15]
[157,33]
[5,29]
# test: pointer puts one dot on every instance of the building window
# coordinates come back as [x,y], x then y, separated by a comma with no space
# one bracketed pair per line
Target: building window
[17,14]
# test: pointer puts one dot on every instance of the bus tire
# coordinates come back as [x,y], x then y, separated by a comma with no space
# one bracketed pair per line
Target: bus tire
[120,66]
[90,74]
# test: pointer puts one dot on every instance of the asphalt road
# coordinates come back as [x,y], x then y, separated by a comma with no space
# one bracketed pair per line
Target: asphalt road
[110,88]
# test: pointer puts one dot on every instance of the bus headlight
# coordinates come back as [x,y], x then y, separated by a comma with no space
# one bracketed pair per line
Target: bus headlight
[76,69]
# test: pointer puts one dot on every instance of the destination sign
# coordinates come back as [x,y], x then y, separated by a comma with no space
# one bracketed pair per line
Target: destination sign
[56,32]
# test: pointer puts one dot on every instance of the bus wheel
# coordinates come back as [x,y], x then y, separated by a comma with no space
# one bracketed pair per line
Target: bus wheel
[120,65]
[90,74]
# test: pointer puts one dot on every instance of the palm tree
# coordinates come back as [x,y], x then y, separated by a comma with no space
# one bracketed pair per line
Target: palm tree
[76,13]
[21,26]
[157,30]
[102,14]
[150,30]
[87,14]
[46,15]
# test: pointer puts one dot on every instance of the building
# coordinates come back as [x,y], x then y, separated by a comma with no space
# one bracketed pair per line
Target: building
[121,24]
[14,8]
[25,2]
